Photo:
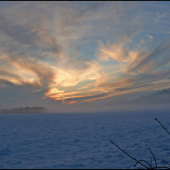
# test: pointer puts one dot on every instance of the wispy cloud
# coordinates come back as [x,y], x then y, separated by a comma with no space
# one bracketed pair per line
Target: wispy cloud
[159,16]
[78,52]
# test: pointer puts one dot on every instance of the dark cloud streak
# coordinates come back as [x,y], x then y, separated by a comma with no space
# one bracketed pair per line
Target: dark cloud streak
[28,39]
[159,51]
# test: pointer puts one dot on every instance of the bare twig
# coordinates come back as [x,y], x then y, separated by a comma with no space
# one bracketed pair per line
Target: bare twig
[162,125]
[165,162]
[169,134]
[154,158]
[151,162]
[145,162]
[129,155]
[149,165]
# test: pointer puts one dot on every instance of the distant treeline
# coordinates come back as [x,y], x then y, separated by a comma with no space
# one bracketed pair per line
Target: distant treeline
[24,110]
[160,97]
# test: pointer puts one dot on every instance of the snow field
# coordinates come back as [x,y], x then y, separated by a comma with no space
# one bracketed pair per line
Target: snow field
[82,140]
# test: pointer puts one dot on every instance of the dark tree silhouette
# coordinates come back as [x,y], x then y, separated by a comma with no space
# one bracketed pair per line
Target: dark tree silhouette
[34,109]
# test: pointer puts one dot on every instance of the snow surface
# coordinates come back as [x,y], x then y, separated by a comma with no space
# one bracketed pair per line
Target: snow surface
[82,140]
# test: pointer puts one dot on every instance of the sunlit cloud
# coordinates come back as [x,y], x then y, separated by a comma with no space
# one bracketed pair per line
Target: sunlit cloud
[116,52]
[149,36]
[77,52]
[86,86]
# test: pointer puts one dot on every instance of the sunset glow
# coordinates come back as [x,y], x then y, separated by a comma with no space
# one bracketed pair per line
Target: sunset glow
[79,52]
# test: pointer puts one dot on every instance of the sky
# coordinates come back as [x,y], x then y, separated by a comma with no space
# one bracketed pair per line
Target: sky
[79,56]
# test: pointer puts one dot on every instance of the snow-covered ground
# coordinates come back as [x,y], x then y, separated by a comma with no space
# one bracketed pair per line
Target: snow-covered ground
[82,140]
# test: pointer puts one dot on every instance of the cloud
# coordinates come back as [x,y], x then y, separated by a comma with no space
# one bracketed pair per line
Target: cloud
[78,96]
[159,16]
[85,98]
[119,83]
[5,83]
[53,49]
[86,86]
[143,67]
[149,36]
[144,57]
[28,40]
[154,99]
[16,79]
[116,52]
[43,72]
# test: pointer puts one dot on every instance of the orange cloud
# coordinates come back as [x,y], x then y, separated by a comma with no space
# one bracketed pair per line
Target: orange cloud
[50,50]
[86,86]
[72,102]
[116,52]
